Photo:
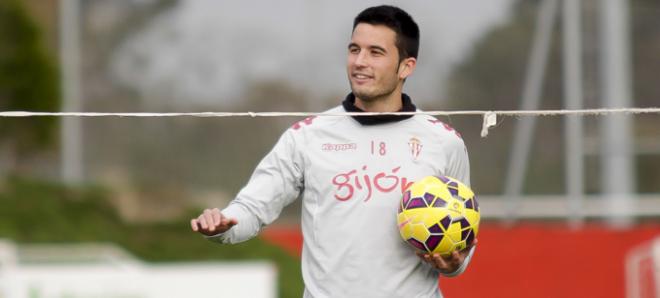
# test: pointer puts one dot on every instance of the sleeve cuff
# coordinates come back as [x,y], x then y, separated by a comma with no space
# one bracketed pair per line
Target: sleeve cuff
[231,211]
[463,266]
[219,238]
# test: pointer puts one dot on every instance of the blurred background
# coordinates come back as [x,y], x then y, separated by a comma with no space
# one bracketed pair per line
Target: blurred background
[570,204]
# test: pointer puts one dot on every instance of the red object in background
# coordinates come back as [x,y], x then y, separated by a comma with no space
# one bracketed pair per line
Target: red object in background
[532,260]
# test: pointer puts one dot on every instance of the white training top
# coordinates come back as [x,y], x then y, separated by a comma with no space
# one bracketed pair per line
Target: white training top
[351,177]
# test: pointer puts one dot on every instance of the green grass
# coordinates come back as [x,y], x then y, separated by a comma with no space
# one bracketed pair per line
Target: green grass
[43,212]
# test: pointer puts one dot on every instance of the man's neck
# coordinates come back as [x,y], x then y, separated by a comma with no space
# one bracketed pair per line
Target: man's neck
[406,105]
[390,103]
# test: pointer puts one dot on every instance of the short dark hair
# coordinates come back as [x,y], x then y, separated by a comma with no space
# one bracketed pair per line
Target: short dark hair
[407,32]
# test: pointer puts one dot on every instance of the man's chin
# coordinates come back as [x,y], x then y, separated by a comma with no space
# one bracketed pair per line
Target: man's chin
[368,96]
[363,94]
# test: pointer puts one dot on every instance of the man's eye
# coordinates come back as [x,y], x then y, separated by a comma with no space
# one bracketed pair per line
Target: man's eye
[377,53]
[354,50]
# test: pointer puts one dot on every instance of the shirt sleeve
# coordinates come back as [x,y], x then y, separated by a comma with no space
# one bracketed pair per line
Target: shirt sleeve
[275,183]
[458,164]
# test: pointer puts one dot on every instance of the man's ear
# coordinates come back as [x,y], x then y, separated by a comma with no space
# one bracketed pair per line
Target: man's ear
[407,67]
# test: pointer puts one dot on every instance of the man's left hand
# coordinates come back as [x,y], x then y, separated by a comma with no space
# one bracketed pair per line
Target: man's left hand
[447,264]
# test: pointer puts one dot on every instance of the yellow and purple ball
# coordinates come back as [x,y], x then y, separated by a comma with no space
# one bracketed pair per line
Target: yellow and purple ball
[438,214]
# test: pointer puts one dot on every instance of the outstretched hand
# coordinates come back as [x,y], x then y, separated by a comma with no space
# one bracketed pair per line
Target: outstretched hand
[212,222]
[447,264]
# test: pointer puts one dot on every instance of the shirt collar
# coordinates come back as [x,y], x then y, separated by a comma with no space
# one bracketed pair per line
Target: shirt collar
[407,106]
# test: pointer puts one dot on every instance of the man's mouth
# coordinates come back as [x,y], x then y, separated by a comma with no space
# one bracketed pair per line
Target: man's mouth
[361,78]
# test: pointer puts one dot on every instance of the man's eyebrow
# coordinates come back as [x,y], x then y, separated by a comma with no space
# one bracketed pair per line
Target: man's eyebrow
[371,47]
[374,47]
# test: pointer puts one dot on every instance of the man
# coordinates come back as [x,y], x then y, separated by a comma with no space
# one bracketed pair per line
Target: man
[350,173]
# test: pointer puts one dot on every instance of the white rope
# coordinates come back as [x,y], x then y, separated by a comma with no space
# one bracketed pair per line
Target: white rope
[489,117]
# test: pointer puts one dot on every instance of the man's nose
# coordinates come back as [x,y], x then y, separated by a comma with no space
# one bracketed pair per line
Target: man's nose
[362,59]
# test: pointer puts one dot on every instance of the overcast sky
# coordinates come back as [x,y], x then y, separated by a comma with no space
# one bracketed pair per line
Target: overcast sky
[209,50]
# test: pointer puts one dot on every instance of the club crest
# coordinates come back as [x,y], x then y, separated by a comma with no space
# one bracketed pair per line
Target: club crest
[415,147]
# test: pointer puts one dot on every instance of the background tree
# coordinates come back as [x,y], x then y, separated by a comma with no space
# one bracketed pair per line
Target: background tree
[28,81]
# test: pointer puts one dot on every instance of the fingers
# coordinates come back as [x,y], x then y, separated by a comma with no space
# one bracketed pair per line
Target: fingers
[444,263]
[440,262]
[212,222]
[193,224]
[457,257]
[216,215]
[208,222]
[435,260]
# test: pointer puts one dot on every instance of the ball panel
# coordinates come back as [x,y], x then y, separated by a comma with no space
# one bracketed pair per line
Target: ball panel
[416,203]
[406,198]
[433,241]
[405,228]
[463,222]
[470,238]
[445,246]
[419,232]
[465,233]
[464,191]
[428,198]
[469,204]
[417,244]
[436,229]
[445,222]
[453,189]
[439,203]
[454,232]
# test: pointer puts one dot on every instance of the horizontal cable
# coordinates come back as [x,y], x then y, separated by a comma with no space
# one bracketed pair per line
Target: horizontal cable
[584,112]
[489,117]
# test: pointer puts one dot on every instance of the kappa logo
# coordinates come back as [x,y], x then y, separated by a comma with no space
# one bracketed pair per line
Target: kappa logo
[415,147]
[339,147]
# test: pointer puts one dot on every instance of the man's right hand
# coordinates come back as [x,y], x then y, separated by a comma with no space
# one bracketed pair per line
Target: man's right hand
[212,222]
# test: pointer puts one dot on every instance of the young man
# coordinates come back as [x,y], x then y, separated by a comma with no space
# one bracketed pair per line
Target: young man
[350,173]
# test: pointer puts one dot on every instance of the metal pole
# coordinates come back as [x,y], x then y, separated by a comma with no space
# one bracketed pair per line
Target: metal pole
[618,173]
[573,98]
[531,96]
[71,130]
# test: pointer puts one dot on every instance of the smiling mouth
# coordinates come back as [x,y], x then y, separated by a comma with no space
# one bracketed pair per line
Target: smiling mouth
[361,78]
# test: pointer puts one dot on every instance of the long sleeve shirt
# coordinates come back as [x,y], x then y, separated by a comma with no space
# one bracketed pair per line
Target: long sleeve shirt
[350,177]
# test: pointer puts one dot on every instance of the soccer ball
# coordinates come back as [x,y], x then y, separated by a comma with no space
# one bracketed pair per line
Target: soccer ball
[438,214]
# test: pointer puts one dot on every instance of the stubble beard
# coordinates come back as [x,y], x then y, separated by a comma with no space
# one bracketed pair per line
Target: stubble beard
[374,95]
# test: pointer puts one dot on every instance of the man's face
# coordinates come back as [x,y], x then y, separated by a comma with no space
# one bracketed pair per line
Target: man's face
[373,62]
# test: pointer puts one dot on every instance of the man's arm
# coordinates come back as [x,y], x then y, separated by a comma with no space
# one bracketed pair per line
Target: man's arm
[275,183]
[458,166]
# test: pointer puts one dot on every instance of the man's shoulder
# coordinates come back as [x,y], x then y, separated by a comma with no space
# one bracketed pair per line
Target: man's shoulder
[437,127]
[321,121]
